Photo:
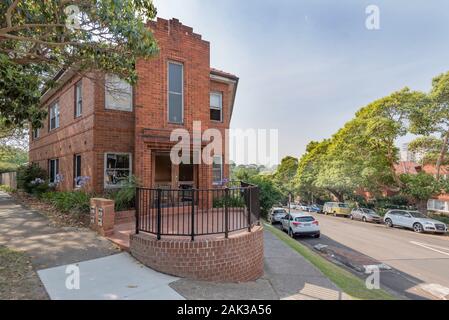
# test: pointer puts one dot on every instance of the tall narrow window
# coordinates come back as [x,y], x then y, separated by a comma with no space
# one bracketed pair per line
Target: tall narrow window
[217,170]
[54,116]
[175,92]
[78,99]
[35,133]
[53,169]
[77,170]
[118,93]
[216,106]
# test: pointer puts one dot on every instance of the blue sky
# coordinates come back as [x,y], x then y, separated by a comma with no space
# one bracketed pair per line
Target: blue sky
[307,65]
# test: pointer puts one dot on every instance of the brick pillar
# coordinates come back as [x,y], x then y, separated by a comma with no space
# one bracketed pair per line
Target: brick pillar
[102,215]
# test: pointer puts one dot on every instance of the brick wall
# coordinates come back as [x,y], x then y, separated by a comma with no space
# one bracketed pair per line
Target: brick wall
[237,259]
[101,130]
[74,135]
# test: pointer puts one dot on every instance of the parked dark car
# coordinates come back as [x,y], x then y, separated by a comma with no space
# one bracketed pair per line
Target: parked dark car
[316,208]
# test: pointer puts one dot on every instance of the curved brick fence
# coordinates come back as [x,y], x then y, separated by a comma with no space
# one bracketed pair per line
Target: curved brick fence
[236,259]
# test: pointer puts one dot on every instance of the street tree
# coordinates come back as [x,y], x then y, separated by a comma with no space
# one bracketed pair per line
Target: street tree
[432,117]
[40,38]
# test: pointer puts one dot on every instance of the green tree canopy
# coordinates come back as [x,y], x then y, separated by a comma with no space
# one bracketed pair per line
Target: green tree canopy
[39,38]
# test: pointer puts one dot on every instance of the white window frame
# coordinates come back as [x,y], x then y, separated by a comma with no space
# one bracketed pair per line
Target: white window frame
[107,186]
[56,113]
[79,99]
[221,169]
[75,168]
[35,133]
[109,99]
[170,92]
[220,94]
[56,167]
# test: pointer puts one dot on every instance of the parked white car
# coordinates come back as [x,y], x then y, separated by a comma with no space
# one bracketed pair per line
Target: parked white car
[414,220]
[304,208]
[300,224]
[275,215]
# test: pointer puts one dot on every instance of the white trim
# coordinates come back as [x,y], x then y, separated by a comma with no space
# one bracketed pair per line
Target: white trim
[217,93]
[221,169]
[222,79]
[56,167]
[78,111]
[75,169]
[105,185]
[57,112]
[168,91]
[107,103]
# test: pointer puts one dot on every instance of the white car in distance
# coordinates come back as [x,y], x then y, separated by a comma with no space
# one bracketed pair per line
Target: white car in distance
[300,224]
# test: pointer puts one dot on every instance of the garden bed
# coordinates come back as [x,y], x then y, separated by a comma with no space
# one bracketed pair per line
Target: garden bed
[59,218]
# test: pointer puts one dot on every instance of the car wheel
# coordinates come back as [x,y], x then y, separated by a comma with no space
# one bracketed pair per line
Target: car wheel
[389,223]
[351,217]
[335,214]
[290,233]
[364,219]
[316,236]
[417,227]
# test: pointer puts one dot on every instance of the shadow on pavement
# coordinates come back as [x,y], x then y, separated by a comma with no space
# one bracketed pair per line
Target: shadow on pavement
[354,261]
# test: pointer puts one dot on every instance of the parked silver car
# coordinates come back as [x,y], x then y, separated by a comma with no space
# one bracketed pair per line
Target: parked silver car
[414,220]
[365,215]
[276,214]
[300,224]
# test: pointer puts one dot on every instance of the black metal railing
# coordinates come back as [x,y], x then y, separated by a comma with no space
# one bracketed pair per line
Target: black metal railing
[197,212]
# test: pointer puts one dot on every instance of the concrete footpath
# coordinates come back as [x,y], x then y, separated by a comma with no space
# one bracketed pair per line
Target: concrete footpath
[47,246]
[287,274]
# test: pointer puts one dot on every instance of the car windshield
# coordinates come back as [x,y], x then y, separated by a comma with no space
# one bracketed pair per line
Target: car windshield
[416,214]
[280,211]
[369,211]
[304,219]
[343,205]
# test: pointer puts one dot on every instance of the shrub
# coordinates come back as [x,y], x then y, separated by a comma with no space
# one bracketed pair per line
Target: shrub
[125,197]
[231,201]
[269,193]
[68,201]
[32,179]
[6,188]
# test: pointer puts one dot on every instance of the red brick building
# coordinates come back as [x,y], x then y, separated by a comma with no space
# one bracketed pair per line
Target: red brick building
[100,127]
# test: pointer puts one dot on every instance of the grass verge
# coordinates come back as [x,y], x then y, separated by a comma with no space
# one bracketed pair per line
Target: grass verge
[346,281]
[17,278]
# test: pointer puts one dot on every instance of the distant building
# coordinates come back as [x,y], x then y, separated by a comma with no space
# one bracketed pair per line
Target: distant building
[409,156]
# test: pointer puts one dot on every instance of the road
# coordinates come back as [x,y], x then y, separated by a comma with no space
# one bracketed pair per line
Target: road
[422,259]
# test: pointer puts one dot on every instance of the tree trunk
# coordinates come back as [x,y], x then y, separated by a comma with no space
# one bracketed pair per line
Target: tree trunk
[442,154]
[421,205]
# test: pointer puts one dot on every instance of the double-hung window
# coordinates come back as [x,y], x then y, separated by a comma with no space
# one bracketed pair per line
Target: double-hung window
[216,106]
[217,169]
[54,116]
[175,92]
[53,169]
[77,170]
[78,99]
[35,133]
[117,169]
[118,93]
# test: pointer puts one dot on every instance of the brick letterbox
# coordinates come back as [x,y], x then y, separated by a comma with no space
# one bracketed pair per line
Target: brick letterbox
[102,216]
